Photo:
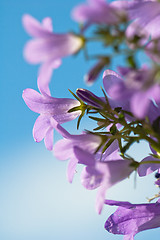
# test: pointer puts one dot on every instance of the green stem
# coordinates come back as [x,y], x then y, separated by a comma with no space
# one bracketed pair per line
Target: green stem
[146,162]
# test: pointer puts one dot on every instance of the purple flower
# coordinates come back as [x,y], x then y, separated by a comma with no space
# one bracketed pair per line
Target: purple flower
[157,176]
[152,50]
[138,88]
[96,11]
[95,71]
[147,16]
[102,172]
[48,47]
[147,168]
[64,148]
[136,36]
[100,102]
[130,219]
[51,110]
[90,98]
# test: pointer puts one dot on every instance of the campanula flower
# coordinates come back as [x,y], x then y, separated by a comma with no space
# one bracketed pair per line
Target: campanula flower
[102,173]
[138,89]
[50,109]
[147,16]
[130,219]
[96,12]
[47,47]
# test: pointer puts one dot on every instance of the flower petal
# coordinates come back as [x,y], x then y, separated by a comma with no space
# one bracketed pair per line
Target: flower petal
[45,74]
[33,27]
[140,104]
[39,50]
[41,127]
[145,169]
[84,157]
[91,178]
[130,219]
[47,24]
[48,139]
[62,149]
[71,170]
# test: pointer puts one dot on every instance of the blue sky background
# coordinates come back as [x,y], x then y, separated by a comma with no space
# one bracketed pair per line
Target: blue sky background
[36,201]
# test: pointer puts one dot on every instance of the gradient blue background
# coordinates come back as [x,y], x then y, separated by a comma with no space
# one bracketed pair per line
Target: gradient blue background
[36,201]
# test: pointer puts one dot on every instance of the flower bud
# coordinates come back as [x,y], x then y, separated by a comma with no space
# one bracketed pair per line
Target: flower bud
[94,72]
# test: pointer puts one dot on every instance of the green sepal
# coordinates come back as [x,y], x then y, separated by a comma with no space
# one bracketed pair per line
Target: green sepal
[74,109]
[79,119]
[107,145]
[131,61]
[127,146]
[113,129]
[100,127]
[97,119]
[134,164]
[75,96]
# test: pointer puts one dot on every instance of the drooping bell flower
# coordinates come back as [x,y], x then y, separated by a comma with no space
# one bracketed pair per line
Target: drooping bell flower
[102,172]
[47,47]
[50,109]
[147,16]
[96,12]
[130,219]
[152,165]
[137,88]
[64,149]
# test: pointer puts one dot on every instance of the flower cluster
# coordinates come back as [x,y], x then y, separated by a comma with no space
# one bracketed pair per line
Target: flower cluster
[127,112]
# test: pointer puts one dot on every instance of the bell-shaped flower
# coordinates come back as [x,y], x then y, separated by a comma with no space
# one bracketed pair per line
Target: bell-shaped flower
[147,16]
[101,102]
[96,12]
[149,164]
[102,172]
[138,89]
[152,50]
[47,47]
[130,219]
[50,109]
[64,148]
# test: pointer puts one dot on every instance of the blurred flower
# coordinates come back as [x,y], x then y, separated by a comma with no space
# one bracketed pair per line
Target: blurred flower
[136,36]
[96,11]
[152,50]
[95,71]
[138,88]
[147,16]
[48,47]
[130,219]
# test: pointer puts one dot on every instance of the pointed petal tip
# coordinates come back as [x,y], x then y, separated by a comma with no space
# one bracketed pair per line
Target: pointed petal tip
[35,139]
[25,93]
[108,72]
[25,18]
